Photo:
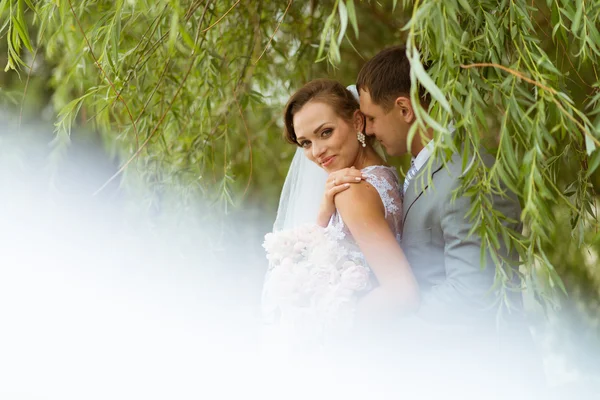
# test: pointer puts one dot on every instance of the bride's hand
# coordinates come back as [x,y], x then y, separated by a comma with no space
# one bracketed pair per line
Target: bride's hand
[337,182]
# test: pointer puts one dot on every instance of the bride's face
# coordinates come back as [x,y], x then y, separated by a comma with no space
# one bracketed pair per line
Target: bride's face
[327,139]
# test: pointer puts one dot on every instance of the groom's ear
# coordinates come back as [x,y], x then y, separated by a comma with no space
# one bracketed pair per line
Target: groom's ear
[404,106]
[359,121]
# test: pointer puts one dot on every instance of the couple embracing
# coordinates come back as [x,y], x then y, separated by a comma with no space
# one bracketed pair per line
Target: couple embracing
[403,252]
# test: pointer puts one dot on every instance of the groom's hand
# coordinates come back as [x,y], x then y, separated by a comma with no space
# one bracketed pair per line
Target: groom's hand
[337,182]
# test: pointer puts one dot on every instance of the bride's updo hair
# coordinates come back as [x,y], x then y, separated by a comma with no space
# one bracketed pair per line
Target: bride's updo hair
[326,91]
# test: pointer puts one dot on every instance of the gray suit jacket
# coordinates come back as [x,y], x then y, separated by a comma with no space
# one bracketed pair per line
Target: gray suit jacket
[455,288]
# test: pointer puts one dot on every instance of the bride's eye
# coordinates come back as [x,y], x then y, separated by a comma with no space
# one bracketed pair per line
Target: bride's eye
[305,144]
[326,132]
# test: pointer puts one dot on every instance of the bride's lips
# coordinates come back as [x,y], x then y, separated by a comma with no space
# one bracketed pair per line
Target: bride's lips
[327,161]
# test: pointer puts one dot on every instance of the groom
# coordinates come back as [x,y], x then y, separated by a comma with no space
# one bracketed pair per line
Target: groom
[446,260]
[457,296]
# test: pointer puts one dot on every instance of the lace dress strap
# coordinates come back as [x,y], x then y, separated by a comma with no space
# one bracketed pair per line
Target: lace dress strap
[385,181]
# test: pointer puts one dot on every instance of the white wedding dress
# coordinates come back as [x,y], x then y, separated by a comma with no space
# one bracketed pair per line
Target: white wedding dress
[385,180]
[316,275]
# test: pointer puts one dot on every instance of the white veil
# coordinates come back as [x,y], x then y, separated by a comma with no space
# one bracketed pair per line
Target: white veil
[301,194]
[302,191]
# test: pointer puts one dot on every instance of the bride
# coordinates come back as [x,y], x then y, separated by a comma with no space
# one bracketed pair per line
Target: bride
[359,223]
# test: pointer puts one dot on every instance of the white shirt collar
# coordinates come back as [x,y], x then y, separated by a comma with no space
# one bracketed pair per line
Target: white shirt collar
[423,156]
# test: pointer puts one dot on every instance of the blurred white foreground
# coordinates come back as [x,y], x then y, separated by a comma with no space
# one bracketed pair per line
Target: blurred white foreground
[92,308]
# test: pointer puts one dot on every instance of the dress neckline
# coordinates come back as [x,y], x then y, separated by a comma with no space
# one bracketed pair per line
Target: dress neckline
[371,167]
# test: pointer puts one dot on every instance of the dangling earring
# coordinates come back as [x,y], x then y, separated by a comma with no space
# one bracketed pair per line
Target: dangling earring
[361,138]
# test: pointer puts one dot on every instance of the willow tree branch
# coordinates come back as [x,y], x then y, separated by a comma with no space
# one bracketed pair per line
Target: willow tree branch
[137,62]
[273,35]
[35,53]
[510,71]
[224,15]
[105,74]
[151,135]
[538,84]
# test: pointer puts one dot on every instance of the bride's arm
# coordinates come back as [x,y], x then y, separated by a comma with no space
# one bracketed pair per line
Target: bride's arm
[337,182]
[363,213]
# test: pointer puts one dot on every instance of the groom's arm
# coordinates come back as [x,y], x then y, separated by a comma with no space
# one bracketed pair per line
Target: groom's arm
[467,291]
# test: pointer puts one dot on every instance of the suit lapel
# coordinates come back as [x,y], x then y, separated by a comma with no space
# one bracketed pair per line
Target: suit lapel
[418,185]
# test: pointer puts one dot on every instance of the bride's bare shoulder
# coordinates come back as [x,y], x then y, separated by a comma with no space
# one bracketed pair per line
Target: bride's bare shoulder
[359,198]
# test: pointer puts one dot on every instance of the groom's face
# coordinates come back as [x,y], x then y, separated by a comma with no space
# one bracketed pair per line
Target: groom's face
[389,127]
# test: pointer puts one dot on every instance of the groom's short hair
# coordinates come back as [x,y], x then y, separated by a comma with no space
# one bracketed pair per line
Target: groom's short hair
[386,76]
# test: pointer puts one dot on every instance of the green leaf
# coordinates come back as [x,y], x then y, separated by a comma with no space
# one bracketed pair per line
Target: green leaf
[187,38]
[417,68]
[594,35]
[482,256]
[3,5]
[411,135]
[22,26]
[507,180]
[433,123]
[352,16]
[343,11]
[493,238]
[466,6]
[116,32]
[174,29]
[325,34]
[590,145]
[457,106]
[577,18]
[553,277]
[23,33]
[334,52]
[593,163]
